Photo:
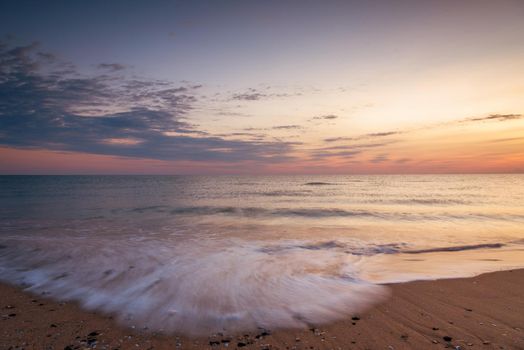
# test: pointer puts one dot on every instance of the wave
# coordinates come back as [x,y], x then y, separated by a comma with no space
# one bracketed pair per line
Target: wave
[192,287]
[432,201]
[318,183]
[260,212]
[373,249]
[203,286]
[456,248]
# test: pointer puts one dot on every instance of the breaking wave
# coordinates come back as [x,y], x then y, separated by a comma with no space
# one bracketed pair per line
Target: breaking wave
[191,287]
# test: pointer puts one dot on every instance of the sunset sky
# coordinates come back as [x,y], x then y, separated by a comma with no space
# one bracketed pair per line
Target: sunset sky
[261,87]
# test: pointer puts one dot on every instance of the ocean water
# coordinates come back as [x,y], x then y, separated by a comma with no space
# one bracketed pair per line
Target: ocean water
[202,254]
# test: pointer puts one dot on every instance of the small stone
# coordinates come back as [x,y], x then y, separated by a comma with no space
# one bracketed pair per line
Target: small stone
[355,318]
[434,341]
[486,342]
[447,338]
[435,328]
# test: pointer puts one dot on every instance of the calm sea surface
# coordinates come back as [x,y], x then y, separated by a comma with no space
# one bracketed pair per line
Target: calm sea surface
[199,253]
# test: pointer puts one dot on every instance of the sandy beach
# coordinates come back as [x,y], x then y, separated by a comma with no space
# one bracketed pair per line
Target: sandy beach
[485,312]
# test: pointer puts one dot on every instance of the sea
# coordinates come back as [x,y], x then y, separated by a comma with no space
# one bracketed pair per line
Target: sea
[203,254]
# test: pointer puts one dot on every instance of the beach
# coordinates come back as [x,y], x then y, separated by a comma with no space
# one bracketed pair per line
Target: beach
[485,312]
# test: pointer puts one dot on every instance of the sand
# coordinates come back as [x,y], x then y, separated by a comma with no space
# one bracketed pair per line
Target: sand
[484,312]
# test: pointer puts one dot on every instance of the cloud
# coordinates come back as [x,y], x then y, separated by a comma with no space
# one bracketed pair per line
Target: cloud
[63,110]
[337,139]
[382,134]
[328,155]
[499,117]
[325,117]
[252,94]
[363,137]
[286,127]
[113,67]
[249,97]
[344,151]
[380,158]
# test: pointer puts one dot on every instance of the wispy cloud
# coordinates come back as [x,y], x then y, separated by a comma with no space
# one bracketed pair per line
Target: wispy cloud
[337,139]
[382,134]
[252,94]
[380,158]
[499,117]
[344,151]
[325,117]
[363,137]
[287,127]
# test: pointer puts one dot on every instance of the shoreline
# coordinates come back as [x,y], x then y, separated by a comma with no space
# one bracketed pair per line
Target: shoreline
[486,311]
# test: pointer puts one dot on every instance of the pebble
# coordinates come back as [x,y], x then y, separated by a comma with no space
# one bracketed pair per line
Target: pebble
[447,338]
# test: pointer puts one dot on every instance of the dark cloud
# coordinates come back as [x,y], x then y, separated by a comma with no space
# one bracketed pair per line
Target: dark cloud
[382,134]
[252,94]
[248,97]
[286,127]
[337,139]
[357,146]
[362,137]
[325,117]
[62,110]
[244,134]
[499,117]
[113,67]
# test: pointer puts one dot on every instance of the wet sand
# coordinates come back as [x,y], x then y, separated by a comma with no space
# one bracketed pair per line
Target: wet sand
[484,312]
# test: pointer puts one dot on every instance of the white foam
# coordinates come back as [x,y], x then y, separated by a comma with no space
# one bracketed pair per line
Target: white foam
[192,286]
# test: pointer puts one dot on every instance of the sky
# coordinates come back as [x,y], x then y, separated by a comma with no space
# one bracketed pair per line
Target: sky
[261,87]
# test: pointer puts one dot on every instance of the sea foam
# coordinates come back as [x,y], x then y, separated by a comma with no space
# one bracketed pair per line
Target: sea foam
[192,286]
